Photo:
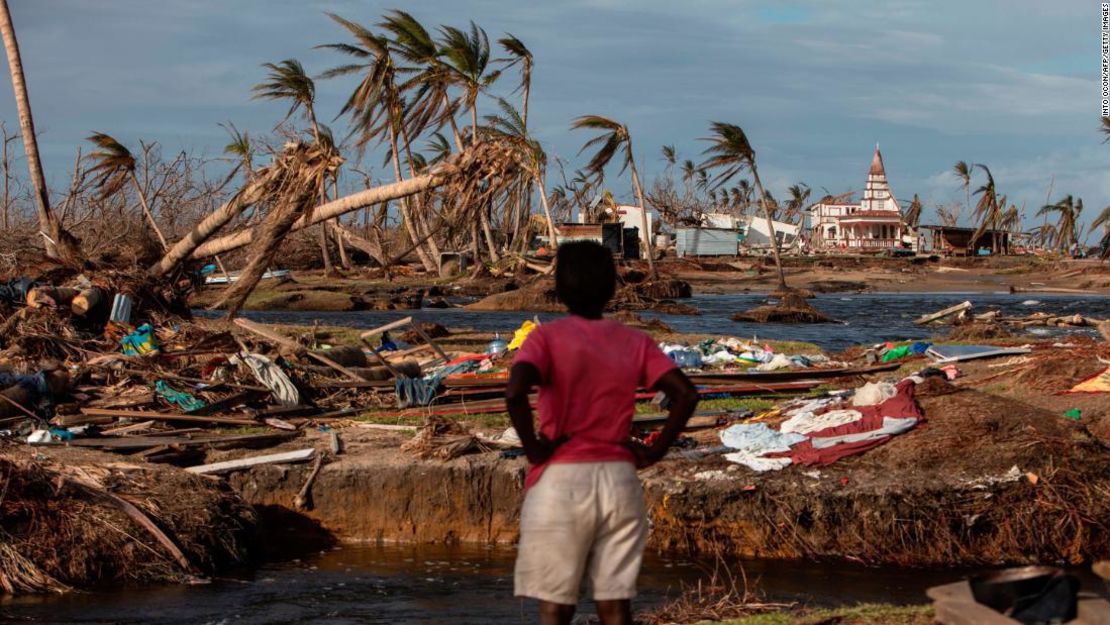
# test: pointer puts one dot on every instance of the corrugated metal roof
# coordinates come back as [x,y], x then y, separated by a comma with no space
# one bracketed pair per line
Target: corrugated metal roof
[706,241]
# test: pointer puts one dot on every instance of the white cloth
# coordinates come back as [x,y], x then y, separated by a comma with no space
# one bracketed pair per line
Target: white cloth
[873,393]
[779,361]
[806,422]
[271,376]
[754,440]
[891,427]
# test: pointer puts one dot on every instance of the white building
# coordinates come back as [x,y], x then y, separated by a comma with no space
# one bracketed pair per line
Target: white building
[873,225]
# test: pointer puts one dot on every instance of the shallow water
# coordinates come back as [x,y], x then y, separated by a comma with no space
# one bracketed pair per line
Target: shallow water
[866,318]
[435,585]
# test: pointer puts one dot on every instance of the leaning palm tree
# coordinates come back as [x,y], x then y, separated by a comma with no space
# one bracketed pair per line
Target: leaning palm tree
[467,56]
[510,125]
[963,171]
[988,210]
[59,244]
[730,153]
[799,195]
[288,81]
[519,54]
[115,167]
[427,82]
[376,109]
[1065,230]
[1102,220]
[615,138]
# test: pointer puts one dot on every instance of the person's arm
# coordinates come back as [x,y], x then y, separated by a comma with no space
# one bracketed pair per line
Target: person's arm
[522,378]
[683,400]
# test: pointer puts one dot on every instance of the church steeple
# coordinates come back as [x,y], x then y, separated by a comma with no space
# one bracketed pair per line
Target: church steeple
[877,195]
[877,168]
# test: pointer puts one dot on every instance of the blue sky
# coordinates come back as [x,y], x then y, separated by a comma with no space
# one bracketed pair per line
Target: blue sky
[1011,84]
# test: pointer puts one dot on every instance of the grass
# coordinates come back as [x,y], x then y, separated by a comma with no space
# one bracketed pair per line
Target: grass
[866,614]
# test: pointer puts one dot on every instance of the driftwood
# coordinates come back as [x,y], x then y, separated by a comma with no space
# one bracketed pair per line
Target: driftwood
[941,314]
[228,466]
[303,500]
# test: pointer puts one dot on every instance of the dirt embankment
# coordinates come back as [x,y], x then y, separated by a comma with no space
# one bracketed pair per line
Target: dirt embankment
[986,480]
[945,494]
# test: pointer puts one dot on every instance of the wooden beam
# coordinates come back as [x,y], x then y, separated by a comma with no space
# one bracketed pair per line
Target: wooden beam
[941,314]
[216,468]
[159,416]
[386,328]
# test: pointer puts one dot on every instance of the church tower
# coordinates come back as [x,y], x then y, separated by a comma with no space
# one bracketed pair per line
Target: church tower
[876,193]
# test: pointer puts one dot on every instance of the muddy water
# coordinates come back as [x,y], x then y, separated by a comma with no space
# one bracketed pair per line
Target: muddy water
[866,318]
[435,585]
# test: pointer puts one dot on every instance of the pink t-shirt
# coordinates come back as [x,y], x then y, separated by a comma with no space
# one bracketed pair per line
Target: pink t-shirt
[589,371]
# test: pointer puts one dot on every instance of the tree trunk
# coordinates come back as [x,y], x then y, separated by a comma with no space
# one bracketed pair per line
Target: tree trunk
[406,211]
[420,213]
[344,261]
[207,227]
[146,211]
[770,227]
[643,214]
[547,211]
[483,218]
[325,255]
[47,223]
[335,208]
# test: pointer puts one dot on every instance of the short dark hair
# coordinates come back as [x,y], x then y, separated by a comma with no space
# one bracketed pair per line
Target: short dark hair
[585,277]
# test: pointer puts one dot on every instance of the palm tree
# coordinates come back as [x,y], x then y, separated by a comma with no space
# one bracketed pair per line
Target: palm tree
[799,194]
[60,244]
[615,137]
[963,172]
[428,80]
[1065,231]
[510,124]
[466,55]
[988,210]
[730,152]
[287,80]
[519,54]
[239,147]
[1103,220]
[376,107]
[913,213]
[115,166]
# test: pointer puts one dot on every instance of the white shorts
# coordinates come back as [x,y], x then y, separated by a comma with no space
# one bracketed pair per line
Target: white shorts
[585,517]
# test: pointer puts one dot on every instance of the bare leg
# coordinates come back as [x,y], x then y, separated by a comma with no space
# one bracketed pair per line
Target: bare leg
[615,612]
[557,613]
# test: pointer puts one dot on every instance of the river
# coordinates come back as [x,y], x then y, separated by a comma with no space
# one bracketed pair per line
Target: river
[865,318]
[436,586]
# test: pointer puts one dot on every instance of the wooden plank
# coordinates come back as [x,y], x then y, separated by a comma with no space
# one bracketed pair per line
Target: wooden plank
[130,443]
[228,402]
[790,374]
[941,314]
[393,325]
[159,416]
[217,468]
[267,333]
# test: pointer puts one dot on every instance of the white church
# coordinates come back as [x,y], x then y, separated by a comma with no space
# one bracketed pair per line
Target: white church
[873,225]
